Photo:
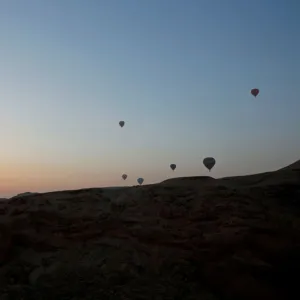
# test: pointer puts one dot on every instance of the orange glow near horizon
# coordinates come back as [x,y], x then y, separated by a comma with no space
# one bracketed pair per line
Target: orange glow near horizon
[43,178]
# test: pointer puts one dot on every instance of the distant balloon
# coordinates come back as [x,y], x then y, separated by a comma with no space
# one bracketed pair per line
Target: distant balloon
[121,123]
[173,166]
[255,92]
[140,180]
[124,176]
[209,162]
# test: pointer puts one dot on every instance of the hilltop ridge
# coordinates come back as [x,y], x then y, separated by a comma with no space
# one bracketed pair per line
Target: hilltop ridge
[184,238]
[294,166]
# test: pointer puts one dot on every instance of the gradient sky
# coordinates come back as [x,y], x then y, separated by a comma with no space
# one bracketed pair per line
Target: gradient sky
[178,72]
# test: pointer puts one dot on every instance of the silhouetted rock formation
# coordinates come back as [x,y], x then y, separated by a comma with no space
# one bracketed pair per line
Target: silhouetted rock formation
[185,238]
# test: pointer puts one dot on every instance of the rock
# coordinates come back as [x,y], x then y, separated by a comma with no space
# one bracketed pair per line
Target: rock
[230,238]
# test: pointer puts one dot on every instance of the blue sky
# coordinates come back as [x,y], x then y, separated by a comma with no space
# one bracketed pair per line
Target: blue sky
[179,73]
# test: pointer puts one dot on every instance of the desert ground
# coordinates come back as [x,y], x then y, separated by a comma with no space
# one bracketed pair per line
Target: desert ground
[185,238]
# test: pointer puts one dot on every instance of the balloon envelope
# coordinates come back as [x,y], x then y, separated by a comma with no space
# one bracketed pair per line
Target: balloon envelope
[255,92]
[209,162]
[124,176]
[140,180]
[173,166]
[121,123]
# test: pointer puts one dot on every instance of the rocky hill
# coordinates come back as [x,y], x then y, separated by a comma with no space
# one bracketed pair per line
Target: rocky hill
[185,238]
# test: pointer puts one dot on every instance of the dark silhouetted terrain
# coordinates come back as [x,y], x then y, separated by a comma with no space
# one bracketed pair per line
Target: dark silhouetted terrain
[185,238]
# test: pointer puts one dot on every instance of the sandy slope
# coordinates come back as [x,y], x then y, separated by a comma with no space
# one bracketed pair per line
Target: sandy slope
[186,238]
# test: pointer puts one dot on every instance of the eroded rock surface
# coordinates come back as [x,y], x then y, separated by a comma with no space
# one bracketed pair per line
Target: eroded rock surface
[197,238]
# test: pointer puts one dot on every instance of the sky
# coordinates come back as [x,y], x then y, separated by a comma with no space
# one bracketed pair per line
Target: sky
[178,72]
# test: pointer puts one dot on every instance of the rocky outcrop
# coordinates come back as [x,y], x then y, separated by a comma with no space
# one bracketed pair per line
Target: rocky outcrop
[190,238]
[25,194]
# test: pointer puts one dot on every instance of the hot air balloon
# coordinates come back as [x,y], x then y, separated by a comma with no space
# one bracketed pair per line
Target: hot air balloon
[255,92]
[209,162]
[124,176]
[121,123]
[173,166]
[140,180]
